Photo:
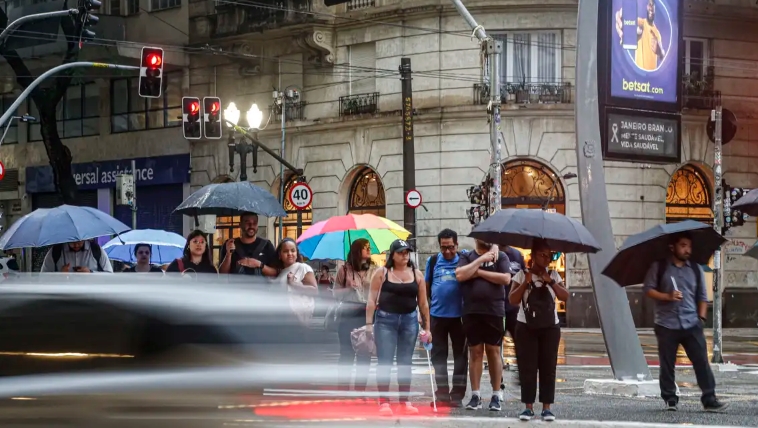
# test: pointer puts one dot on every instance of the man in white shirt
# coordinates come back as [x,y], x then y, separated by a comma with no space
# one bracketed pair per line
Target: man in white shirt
[80,257]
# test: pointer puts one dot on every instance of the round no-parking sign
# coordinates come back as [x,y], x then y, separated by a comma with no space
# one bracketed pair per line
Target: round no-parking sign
[2,171]
[300,196]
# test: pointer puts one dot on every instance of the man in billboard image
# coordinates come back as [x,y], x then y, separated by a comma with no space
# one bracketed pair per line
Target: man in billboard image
[649,50]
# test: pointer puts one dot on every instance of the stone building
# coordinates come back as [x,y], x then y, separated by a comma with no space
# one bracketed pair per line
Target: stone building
[345,128]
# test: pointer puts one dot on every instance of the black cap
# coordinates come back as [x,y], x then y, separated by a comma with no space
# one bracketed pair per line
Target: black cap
[399,245]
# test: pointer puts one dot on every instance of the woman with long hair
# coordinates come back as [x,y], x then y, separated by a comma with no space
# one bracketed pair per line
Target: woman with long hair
[197,255]
[538,335]
[397,290]
[351,288]
[298,278]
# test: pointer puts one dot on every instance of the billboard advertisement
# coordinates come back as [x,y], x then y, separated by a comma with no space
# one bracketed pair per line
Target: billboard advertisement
[642,136]
[644,51]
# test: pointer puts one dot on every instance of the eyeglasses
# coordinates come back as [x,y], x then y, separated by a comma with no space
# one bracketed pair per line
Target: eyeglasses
[447,247]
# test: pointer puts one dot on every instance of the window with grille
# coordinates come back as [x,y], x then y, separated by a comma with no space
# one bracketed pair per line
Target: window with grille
[164,4]
[78,113]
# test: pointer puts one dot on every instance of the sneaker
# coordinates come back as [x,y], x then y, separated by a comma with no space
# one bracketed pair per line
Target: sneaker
[409,409]
[495,404]
[475,403]
[526,415]
[671,406]
[547,416]
[715,406]
[385,409]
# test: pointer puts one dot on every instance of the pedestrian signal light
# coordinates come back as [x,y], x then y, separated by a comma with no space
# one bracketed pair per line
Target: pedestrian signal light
[151,73]
[191,118]
[212,118]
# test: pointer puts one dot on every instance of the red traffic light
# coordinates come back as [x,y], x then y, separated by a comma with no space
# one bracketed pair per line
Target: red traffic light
[215,107]
[154,60]
[194,107]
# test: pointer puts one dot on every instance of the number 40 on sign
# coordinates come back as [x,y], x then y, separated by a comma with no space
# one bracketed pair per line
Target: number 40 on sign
[300,196]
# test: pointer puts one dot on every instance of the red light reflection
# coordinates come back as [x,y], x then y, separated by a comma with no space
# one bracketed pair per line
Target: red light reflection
[194,107]
[215,107]
[332,410]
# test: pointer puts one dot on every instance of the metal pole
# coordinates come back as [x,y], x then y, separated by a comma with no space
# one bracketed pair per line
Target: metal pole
[409,149]
[494,50]
[8,113]
[256,143]
[478,29]
[134,195]
[282,182]
[615,315]
[718,224]
[7,127]
[37,16]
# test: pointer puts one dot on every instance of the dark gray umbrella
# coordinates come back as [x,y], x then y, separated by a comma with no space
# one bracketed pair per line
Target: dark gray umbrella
[520,227]
[230,199]
[640,251]
[748,204]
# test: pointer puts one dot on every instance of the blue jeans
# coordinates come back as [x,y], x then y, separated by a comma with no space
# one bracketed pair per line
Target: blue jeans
[395,334]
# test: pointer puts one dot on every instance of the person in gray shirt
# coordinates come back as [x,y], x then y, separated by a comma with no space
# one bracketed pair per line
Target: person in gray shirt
[678,287]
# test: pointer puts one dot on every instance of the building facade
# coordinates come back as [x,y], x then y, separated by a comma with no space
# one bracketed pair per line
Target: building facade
[344,130]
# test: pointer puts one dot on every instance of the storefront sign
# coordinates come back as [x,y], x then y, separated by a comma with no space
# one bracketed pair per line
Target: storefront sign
[642,137]
[99,175]
[644,57]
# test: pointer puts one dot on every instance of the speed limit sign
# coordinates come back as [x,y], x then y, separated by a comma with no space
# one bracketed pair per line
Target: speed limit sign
[300,196]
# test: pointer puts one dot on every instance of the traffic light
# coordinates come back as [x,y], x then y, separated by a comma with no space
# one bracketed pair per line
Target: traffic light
[212,118]
[151,73]
[191,118]
[88,19]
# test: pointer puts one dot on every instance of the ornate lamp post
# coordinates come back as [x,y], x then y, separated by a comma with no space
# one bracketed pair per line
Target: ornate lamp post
[242,147]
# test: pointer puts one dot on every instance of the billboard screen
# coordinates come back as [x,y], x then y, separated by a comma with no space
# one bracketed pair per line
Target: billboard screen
[642,136]
[645,44]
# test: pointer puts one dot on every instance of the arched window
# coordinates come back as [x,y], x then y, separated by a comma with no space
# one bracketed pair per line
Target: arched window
[529,184]
[367,194]
[289,223]
[688,196]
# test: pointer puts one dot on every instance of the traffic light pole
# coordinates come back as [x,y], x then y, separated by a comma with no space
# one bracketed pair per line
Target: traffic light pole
[493,50]
[718,224]
[134,195]
[409,149]
[79,64]
[261,146]
[35,17]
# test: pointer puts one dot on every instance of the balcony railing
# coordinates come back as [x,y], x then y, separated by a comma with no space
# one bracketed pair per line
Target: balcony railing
[360,4]
[241,18]
[352,105]
[698,93]
[293,111]
[526,93]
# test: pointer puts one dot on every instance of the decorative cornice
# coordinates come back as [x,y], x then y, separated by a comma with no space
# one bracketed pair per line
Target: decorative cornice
[319,43]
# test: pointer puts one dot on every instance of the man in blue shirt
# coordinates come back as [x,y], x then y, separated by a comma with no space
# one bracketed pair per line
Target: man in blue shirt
[446,307]
[681,304]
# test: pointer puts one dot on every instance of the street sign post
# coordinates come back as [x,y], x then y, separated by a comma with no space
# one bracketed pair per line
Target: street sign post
[2,171]
[413,199]
[300,196]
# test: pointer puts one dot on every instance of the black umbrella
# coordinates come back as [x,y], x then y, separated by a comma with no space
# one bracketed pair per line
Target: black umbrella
[748,204]
[230,199]
[640,251]
[520,227]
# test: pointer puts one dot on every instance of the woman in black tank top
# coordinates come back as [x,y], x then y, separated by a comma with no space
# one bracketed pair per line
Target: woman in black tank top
[396,292]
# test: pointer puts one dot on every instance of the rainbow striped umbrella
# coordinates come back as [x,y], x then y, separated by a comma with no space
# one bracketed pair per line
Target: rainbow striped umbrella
[331,239]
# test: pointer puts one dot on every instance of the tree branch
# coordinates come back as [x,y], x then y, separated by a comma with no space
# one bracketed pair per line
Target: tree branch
[23,75]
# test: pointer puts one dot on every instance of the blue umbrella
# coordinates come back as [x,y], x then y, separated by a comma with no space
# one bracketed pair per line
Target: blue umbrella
[166,246]
[66,223]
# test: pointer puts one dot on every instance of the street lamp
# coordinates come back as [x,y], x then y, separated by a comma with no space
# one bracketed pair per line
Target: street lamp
[254,117]
[25,118]
[232,114]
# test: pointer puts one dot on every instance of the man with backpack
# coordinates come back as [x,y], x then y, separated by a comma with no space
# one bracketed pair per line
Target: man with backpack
[79,257]
[681,304]
[248,254]
[446,306]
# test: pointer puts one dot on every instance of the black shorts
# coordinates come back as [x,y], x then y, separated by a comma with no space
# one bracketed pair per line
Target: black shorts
[483,329]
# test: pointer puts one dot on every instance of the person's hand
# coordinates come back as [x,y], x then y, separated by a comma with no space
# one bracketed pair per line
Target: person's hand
[496,251]
[428,336]
[545,277]
[619,24]
[83,269]
[250,263]
[654,43]
[66,267]
[487,257]
[370,328]
[291,278]
[675,296]
[230,247]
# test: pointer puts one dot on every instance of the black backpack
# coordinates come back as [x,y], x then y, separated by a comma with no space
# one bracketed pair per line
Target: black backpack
[662,265]
[539,306]
[94,247]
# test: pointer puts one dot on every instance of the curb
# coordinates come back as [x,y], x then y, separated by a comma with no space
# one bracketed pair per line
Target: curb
[514,423]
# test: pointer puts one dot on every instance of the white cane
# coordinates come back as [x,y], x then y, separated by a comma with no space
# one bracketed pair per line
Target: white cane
[431,377]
